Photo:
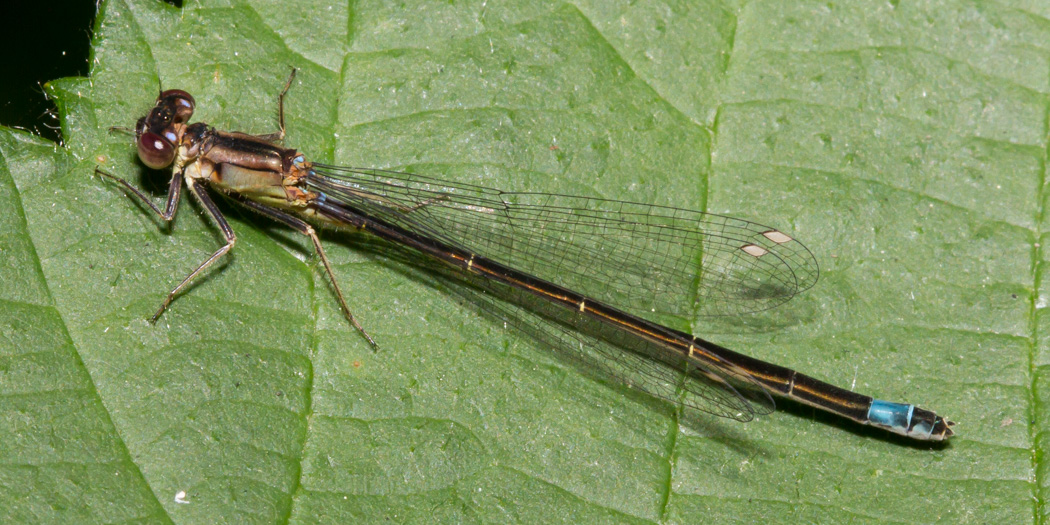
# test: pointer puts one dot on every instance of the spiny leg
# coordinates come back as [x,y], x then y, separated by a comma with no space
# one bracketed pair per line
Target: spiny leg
[305,229]
[279,136]
[174,192]
[280,102]
[198,191]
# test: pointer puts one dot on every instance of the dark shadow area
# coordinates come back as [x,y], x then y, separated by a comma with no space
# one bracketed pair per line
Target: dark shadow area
[44,41]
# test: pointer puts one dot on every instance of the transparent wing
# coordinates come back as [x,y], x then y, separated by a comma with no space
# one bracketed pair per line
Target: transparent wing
[655,262]
[650,261]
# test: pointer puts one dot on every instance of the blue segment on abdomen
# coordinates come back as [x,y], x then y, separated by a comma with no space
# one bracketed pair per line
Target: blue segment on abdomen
[891,415]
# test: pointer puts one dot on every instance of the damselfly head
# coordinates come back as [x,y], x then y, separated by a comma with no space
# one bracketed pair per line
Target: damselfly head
[159,132]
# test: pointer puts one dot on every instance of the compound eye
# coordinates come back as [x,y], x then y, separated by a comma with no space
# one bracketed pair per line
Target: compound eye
[155,151]
[181,101]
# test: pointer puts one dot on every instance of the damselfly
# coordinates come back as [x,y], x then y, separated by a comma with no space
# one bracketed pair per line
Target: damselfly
[604,272]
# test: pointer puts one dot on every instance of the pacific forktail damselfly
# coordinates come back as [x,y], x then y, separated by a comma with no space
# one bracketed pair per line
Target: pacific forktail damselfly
[599,270]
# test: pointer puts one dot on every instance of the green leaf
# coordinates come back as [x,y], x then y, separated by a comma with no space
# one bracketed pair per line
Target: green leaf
[906,145]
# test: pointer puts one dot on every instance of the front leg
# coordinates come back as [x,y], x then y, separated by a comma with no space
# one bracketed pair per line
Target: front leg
[174,192]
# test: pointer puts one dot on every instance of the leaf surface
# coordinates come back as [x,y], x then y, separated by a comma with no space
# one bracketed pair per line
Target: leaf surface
[905,144]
